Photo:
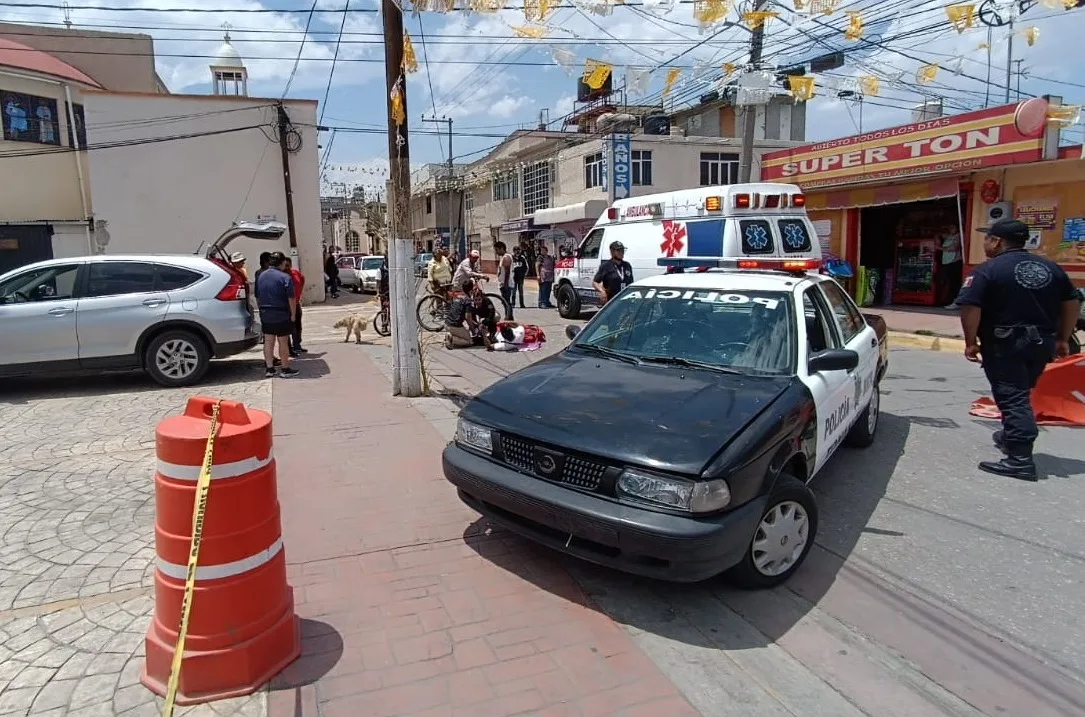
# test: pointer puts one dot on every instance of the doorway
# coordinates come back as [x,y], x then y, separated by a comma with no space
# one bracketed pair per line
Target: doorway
[22,244]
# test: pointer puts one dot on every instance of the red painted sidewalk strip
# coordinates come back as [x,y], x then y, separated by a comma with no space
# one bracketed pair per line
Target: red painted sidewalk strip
[410,605]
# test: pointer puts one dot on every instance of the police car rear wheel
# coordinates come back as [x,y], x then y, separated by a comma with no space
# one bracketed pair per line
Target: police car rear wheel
[862,433]
[782,539]
[568,302]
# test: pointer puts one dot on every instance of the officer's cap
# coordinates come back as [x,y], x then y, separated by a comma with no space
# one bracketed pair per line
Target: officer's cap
[617,246]
[1011,230]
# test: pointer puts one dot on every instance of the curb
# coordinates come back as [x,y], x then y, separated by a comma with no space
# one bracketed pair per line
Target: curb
[903,339]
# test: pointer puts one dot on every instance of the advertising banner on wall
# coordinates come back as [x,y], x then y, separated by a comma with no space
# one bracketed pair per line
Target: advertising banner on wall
[620,170]
[962,143]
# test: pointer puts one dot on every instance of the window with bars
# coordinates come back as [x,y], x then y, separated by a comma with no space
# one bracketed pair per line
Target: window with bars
[717,168]
[641,163]
[468,200]
[354,241]
[506,187]
[593,170]
[536,187]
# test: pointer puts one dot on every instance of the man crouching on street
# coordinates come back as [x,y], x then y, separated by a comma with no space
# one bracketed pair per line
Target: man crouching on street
[463,322]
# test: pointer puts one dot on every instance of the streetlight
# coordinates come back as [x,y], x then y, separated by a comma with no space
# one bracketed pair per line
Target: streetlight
[854,97]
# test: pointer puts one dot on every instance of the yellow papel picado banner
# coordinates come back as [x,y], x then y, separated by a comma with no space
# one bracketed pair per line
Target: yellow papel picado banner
[410,62]
[596,73]
[754,19]
[854,30]
[398,113]
[533,31]
[1032,34]
[869,85]
[672,75]
[801,87]
[536,10]
[961,17]
[709,12]
[926,74]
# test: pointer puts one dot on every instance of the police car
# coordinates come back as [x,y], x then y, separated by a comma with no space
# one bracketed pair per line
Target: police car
[676,435]
[756,220]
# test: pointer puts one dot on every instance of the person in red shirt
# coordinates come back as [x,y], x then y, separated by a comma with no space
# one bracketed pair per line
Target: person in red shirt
[299,284]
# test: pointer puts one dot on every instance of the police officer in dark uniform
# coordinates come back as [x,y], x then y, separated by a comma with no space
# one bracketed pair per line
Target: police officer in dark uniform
[613,275]
[1018,310]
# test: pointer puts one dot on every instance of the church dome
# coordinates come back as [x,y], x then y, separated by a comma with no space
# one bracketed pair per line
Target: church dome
[228,56]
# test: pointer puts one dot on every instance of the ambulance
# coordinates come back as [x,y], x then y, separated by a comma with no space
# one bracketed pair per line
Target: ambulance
[758,221]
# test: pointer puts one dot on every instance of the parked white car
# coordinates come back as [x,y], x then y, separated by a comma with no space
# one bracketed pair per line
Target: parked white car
[168,315]
[369,273]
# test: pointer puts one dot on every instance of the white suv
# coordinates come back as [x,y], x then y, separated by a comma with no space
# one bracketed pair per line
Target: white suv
[166,314]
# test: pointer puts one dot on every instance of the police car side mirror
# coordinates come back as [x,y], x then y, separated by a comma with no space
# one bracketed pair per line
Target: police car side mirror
[571,331]
[833,360]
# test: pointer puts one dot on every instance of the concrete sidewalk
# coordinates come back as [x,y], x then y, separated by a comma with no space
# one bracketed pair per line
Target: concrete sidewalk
[412,605]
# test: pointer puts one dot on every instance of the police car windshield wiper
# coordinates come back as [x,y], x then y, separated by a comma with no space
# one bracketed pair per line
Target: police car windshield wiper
[604,351]
[689,363]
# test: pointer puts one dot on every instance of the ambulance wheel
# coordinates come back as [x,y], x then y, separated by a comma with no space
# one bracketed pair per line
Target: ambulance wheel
[782,539]
[568,302]
[862,433]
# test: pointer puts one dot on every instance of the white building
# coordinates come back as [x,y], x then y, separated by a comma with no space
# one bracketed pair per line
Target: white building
[173,171]
[46,205]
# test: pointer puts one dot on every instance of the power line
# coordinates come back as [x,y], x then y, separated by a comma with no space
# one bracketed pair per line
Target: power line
[335,57]
[10,154]
[301,47]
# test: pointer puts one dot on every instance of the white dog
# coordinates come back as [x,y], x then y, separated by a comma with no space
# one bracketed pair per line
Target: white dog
[354,324]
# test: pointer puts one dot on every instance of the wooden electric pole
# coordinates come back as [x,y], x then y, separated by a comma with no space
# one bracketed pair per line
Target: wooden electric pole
[749,112]
[406,364]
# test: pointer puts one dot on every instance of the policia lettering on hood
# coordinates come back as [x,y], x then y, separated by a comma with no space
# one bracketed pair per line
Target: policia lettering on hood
[708,297]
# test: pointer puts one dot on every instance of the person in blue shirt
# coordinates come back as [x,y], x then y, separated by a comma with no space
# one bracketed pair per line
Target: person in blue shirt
[1018,311]
[278,307]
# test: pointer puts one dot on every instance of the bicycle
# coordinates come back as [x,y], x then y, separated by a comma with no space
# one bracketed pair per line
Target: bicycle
[382,322]
[431,309]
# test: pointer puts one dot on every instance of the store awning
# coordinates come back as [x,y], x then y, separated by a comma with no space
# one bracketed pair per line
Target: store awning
[591,209]
[884,194]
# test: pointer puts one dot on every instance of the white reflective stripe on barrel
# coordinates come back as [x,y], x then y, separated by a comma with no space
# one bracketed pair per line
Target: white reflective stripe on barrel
[226,570]
[218,470]
[1078,395]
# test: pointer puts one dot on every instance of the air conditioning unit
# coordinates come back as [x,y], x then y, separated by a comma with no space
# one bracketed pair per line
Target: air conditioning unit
[996,211]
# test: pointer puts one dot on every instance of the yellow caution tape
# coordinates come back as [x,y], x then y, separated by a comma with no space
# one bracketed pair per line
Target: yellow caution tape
[199,509]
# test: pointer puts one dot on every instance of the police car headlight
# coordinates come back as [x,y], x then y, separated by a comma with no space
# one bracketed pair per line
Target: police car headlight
[699,497]
[473,436]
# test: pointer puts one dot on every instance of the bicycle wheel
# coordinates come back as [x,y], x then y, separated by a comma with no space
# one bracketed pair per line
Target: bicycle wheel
[498,302]
[382,324]
[431,313]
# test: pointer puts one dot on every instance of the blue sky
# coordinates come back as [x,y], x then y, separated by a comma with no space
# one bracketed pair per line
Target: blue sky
[487,100]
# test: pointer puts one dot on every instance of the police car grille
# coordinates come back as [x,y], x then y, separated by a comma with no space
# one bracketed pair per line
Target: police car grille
[577,471]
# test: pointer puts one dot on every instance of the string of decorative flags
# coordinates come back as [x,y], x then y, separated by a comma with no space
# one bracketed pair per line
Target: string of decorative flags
[752,85]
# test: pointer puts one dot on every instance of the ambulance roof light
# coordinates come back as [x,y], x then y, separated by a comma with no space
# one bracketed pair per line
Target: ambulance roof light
[772,201]
[612,213]
[798,200]
[742,201]
[712,204]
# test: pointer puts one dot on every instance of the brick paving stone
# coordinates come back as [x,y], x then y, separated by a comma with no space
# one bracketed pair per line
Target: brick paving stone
[438,612]
[77,539]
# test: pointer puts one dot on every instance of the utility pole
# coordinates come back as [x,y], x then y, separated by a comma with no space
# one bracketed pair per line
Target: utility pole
[451,171]
[749,113]
[406,364]
[1018,73]
[284,150]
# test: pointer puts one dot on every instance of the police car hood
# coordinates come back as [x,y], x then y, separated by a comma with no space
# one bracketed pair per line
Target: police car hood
[664,417]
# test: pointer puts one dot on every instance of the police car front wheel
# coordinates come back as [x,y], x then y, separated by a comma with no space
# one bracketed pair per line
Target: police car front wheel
[862,433]
[782,539]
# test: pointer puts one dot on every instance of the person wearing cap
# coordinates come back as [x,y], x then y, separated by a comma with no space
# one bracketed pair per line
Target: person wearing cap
[613,275]
[1018,311]
[469,269]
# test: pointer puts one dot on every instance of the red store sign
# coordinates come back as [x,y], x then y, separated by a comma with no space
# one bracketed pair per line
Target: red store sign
[986,138]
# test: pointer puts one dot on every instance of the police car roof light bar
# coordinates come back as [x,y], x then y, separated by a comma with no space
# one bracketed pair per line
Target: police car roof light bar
[791,266]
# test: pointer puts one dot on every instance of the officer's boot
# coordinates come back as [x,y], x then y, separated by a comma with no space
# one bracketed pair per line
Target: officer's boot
[1018,462]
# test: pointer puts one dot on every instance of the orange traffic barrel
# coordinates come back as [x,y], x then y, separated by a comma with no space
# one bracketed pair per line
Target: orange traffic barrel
[242,628]
[1058,398]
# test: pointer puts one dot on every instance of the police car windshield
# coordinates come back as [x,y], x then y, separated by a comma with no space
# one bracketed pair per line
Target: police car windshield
[748,332]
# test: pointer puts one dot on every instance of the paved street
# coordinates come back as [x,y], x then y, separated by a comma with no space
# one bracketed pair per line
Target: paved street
[934,589]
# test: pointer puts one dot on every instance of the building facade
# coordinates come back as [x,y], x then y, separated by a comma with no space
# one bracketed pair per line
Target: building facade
[44,71]
[436,211]
[894,202]
[550,187]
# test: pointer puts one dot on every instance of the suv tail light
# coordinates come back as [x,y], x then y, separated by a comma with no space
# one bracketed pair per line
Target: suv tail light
[236,289]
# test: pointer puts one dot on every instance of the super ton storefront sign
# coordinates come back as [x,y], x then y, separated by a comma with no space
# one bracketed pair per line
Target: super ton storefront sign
[948,145]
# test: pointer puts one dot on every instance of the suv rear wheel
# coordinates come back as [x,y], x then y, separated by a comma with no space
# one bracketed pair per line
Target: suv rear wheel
[176,358]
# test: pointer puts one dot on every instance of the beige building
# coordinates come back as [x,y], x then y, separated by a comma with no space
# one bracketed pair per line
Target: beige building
[44,72]
[436,210]
[554,185]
